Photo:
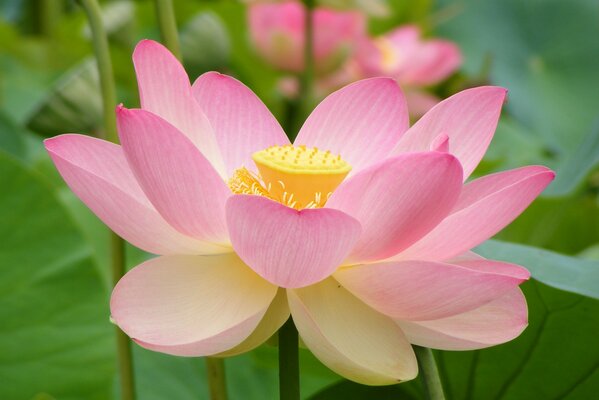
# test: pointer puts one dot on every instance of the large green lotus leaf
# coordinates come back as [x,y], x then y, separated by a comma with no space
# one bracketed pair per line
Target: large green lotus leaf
[12,138]
[555,358]
[545,52]
[567,225]
[572,274]
[55,338]
[572,173]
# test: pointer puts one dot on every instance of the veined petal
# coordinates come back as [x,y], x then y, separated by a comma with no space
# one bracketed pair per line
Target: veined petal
[469,118]
[494,323]
[98,173]
[485,207]
[398,201]
[190,305]
[361,121]
[349,337]
[287,247]
[241,122]
[164,89]
[276,315]
[176,177]
[425,290]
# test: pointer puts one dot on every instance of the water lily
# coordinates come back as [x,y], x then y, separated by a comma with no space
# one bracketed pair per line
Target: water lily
[361,229]
[278,33]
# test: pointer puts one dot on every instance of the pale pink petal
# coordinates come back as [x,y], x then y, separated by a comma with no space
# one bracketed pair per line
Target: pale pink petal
[485,206]
[433,61]
[349,337]
[276,315]
[98,173]
[165,90]
[241,122]
[494,323]
[277,31]
[361,122]
[287,247]
[419,102]
[424,290]
[398,201]
[176,177]
[469,118]
[190,305]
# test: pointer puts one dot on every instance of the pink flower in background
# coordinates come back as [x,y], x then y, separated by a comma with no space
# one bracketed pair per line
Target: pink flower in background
[277,31]
[404,55]
[362,229]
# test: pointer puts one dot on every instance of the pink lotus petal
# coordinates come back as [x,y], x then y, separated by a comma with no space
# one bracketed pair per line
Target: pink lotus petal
[287,247]
[398,201]
[277,31]
[469,118]
[419,102]
[424,290]
[190,305]
[276,315]
[98,173]
[485,206]
[494,323]
[164,89]
[432,62]
[176,177]
[362,122]
[349,337]
[241,122]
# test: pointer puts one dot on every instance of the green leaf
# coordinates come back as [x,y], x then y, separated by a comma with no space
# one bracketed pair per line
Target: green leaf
[205,44]
[543,52]
[12,138]
[73,104]
[56,339]
[555,358]
[577,166]
[563,272]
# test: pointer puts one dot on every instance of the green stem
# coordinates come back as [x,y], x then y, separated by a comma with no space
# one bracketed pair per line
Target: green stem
[289,383]
[117,245]
[307,78]
[429,374]
[49,12]
[215,368]
[168,26]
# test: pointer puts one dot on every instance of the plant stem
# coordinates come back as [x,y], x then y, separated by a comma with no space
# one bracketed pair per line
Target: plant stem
[107,86]
[49,12]
[168,26]
[117,245]
[429,374]
[215,368]
[307,78]
[289,383]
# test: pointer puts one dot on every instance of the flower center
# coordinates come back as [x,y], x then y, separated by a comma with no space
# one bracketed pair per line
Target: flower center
[299,177]
[389,55]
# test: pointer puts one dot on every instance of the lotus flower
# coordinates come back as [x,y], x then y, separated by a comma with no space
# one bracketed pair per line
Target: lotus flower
[277,31]
[377,8]
[361,229]
[405,56]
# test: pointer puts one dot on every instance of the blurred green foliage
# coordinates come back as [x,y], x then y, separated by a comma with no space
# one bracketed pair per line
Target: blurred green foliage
[56,341]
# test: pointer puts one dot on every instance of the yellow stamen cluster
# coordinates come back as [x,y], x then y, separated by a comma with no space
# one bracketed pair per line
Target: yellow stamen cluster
[389,56]
[299,177]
